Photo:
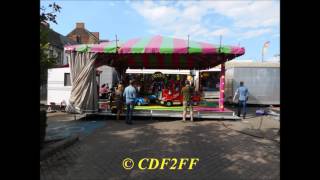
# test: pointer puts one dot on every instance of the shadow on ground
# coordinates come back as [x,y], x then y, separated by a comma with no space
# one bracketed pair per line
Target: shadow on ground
[223,153]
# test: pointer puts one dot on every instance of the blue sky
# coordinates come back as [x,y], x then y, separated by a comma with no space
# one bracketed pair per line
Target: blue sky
[250,23]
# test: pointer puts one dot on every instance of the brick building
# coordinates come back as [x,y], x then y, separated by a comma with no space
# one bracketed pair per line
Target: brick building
[82,36]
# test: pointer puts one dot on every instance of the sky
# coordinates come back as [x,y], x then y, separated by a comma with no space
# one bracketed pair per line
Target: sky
[246,23]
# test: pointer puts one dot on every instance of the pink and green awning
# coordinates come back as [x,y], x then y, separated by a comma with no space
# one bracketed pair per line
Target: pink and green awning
[108,47]
[166,45]
[161,52]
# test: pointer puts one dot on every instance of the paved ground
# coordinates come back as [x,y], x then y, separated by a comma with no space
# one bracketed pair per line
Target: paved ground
[223,153]
[266,126]
[61,125]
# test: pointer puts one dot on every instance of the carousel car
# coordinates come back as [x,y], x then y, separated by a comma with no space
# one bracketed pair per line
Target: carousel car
[141,101]
[172,97]
[196,98]
[152,98]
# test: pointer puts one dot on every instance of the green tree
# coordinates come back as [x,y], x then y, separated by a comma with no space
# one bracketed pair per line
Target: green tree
[46,61]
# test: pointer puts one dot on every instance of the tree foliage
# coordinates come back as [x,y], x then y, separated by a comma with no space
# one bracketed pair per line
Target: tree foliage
[46,61]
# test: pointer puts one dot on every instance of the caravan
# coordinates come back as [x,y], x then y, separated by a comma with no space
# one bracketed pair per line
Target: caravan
[59,83]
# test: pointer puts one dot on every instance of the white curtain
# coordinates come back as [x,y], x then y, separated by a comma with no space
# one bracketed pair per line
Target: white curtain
[84,92]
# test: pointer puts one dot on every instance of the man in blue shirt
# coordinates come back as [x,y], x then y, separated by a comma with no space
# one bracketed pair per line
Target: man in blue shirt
[130,94]
[243,92]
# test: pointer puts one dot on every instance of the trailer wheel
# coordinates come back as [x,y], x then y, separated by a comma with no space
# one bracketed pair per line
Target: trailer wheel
[168,103]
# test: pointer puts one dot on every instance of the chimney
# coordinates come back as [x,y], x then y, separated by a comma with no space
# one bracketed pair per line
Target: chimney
[96,34]
[80,25]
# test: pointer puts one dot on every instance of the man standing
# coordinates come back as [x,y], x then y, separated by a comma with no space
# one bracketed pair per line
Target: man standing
[242,91]
[187,92]
[130,94]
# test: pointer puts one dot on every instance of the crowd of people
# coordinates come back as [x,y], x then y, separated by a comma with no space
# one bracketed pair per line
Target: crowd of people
[125,97]
[121,96]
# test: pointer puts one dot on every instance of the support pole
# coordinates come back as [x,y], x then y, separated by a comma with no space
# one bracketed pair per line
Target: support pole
[116,44]
[222,82]
[188,42]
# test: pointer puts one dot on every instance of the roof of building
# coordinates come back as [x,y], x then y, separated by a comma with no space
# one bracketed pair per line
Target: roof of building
[58,40]
[103,40]
[233,64]
[82,30]
[93,35]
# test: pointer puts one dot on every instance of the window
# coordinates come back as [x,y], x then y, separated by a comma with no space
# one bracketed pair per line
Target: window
[78,39]
[98,79]
[51,53]
[59,58]
[67,79]
[66,59]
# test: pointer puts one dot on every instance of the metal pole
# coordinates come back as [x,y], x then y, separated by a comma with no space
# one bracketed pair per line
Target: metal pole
[222,81]
[188,42]
[261,119]
[94,80]
[262,54]
[116,44]
[220,43]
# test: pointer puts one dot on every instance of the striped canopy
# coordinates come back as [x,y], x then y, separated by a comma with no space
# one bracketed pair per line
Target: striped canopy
[161,53]
[106,47]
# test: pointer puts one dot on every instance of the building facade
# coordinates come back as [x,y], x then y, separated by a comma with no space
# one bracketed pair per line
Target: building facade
[56,50]
[82,36]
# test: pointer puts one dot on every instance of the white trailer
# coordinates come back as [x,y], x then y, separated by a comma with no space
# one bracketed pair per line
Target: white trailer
[261,78]
[59,82]
[108,75]
[59,85]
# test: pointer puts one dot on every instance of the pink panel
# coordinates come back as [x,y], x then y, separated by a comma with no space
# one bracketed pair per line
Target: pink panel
[199,108]
[237,50]
[207,48]
[126,48]
[175,60]
[180,46]
[160,58]
[70,48]
[154,45]
[98,47]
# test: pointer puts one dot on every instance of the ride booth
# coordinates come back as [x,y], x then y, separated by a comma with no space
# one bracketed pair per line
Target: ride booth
[158,88]
[157,52]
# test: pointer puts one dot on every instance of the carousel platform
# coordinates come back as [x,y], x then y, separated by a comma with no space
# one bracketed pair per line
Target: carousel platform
[175,112]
